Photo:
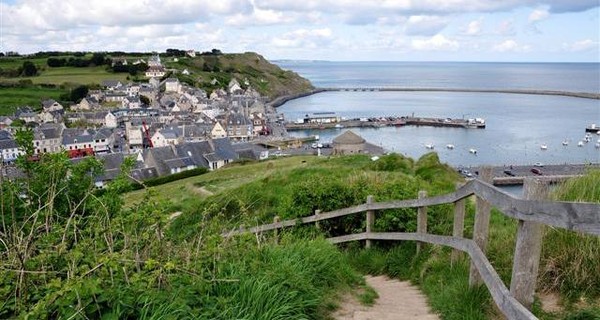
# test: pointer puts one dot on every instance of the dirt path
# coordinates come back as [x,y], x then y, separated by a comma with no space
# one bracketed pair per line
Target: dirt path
[397,300]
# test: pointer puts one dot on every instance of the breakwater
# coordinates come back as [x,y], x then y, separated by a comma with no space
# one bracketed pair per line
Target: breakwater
[584,95]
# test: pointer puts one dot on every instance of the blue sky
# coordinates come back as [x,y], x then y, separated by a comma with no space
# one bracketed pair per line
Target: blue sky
[391,30]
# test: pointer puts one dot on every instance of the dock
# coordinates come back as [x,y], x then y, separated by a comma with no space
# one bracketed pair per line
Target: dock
[554,173]
[393,121]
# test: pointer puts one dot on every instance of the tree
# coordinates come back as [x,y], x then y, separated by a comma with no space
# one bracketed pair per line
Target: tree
[145,100]
[28,69]
[79,93]
[56,62]
[98,59]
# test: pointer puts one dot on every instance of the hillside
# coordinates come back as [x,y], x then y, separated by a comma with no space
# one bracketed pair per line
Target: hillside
[269,79]
[250,69]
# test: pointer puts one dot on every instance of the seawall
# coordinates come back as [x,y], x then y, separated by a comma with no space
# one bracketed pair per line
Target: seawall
[584,95]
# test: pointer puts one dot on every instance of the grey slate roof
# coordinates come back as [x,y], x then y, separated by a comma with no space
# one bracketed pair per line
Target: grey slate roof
[223,149]
[5,135]
[348,137]
[8,144]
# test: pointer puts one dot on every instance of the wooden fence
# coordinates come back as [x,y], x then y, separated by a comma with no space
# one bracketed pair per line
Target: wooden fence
[532,213]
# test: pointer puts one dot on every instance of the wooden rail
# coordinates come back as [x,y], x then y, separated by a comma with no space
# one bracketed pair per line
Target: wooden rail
[532,213]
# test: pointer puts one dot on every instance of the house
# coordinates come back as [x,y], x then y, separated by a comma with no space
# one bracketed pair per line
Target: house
[191,53]
[165,137]
[154,61]
[172,85]
[155,72]
[234,87]
[348,143]
[111,120]
[239,127]
[251,151]
[5,122]
[51,105]
[115,96]
[76,140]
[111,84]
[54,116]
[119,60]
[87,103]
[259,124]
[103,140]
[29,117]
[131,102]
[218,131]
[9,150]
[222,154]
[185,72]
[47,138]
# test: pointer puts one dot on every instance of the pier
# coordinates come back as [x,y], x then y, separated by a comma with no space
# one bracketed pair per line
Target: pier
[379,122]
[515,175]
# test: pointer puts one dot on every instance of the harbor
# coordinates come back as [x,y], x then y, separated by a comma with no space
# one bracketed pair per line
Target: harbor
[329,120]
[515,175]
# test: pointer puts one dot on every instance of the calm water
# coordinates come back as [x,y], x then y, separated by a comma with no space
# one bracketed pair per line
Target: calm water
[517,125]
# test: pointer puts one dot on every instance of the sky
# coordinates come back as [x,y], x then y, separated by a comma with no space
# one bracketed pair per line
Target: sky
[339,30]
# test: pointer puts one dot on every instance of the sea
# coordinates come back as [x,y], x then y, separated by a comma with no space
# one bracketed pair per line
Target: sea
[517,125]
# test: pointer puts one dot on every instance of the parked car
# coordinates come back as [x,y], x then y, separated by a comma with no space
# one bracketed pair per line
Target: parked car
[536,171]
[538,164]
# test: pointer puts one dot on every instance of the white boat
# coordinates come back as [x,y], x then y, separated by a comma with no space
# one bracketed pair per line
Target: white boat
[473,151]
[544,147]
[565,142]
[429,146]
[598,145]
[450,146]
[339,126]
[580,144]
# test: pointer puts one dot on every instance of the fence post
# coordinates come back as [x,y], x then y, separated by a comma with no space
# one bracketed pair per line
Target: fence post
[276,231]
[421,220]
[528,248]
[459,224]
[317,224]
[370,221]
[482,225]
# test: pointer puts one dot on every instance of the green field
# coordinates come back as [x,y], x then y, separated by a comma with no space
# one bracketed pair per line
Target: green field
[11,98]
[72,75]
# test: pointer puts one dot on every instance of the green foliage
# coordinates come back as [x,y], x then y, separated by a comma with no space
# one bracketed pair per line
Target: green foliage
[394,162]
[14,95]
[28,69]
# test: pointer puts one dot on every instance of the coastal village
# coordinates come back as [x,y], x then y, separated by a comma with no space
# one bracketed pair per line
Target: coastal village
[167,126]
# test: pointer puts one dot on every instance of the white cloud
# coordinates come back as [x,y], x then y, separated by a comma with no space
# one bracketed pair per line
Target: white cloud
[474,27]
[425,25]
[305,38]
[435,43]
[506,28]
[510,45]
[584,45]
[538,15]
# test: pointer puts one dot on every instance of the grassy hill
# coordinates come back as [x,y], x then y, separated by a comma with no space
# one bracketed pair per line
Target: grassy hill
[50,82]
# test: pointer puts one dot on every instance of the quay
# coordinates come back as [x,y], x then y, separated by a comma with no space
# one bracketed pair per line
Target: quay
[379,122]
[515,175]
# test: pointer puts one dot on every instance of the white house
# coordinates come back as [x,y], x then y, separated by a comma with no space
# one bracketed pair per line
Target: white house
[172,85]
[165,137]
[110,120]
[10,150]
[155,72]
[218,131]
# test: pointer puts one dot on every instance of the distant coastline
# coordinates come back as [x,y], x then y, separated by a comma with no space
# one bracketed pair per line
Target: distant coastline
[584,95]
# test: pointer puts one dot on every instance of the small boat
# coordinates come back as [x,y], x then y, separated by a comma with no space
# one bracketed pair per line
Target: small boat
[429,146]
[339,126]
[473,151]
[450,146]
[544,147]
[580,144]
[598,145]
[565,142]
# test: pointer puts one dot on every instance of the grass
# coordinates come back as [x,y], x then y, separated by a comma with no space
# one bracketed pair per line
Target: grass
[13,97]
[72,75]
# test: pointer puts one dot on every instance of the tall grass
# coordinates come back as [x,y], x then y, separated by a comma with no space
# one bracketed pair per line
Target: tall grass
[571,261]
